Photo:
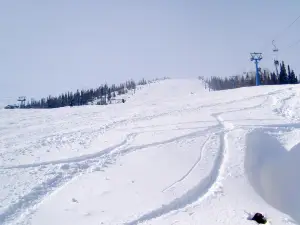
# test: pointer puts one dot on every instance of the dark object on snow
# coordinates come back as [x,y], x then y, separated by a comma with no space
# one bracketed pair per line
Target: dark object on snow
[259,218]
[74,200]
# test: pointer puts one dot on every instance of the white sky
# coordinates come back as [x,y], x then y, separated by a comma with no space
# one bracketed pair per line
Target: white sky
[49,47]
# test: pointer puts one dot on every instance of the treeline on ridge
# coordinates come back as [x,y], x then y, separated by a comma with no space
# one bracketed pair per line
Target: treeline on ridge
[100,96]
[285,76]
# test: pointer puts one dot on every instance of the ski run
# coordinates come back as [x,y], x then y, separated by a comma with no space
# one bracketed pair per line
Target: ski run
[174,153]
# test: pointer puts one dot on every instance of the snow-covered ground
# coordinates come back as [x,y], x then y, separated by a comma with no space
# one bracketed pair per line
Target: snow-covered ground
[174,153]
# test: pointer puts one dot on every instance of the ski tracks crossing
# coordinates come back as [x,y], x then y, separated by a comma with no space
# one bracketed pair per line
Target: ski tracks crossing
[68,169]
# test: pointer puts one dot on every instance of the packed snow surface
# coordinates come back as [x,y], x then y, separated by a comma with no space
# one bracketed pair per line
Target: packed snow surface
[174,153]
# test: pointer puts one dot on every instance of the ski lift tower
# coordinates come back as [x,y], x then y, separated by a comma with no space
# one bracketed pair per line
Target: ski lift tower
[22,101]
[256,57]
[276,62]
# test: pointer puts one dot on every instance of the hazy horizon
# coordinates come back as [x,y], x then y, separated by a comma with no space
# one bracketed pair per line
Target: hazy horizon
[58,46]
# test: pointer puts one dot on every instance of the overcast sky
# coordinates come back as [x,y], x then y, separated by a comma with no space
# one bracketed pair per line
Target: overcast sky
[49,47]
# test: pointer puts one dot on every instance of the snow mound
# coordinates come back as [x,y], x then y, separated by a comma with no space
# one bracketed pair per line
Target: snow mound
[274,172]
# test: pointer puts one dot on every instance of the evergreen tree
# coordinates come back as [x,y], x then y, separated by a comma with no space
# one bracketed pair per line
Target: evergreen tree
[283,76]
[289,75]
[274,79]
[109,94]
[292,78]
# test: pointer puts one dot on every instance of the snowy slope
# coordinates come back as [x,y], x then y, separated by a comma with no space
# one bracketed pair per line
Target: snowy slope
[174,153]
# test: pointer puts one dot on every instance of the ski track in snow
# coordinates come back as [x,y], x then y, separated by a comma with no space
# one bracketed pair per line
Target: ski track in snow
[28,203]
[282,110]
[84,138]
[192,168]
[111,149]
[211,183]
[68,170]
[76,159]
[189,197]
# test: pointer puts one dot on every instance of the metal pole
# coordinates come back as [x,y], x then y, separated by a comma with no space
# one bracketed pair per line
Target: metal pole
[276,62]
[257,73]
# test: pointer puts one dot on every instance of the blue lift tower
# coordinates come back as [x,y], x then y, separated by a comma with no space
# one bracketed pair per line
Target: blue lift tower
[256,57]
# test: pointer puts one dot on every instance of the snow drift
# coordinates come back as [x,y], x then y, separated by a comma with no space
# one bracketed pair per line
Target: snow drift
[274,172]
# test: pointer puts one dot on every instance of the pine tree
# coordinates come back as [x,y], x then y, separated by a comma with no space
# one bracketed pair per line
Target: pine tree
[289,75]
[274,79]
[293,79]
[109,94]
[283,76]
